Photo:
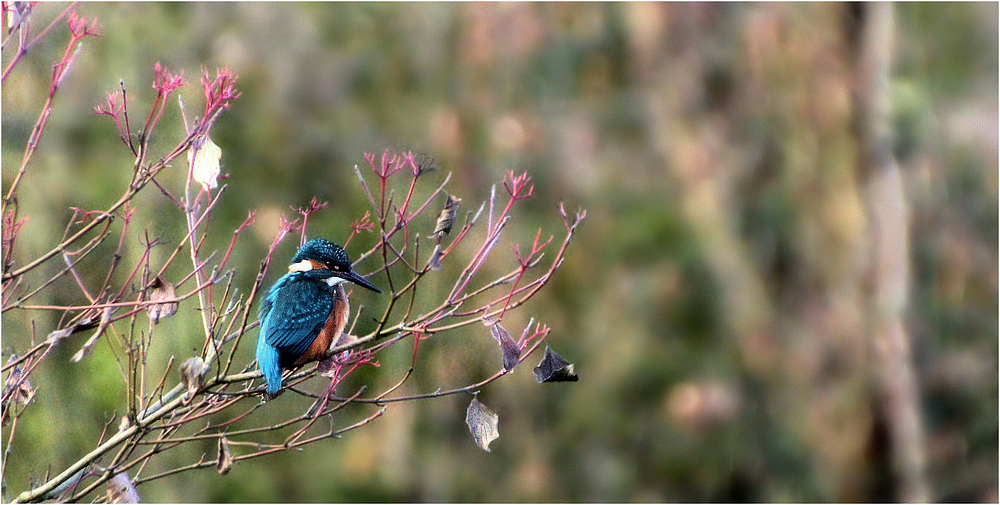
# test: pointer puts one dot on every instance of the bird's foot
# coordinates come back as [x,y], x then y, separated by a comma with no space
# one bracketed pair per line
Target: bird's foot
[266,397]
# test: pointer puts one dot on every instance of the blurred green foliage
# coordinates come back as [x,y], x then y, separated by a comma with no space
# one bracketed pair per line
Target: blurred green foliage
[722,350]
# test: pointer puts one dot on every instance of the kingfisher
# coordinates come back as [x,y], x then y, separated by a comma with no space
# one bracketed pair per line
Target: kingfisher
[305,312]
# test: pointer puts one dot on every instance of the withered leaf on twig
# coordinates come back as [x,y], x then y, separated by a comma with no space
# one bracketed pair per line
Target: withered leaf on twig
[446,219]
[17,390]
[330,365]
[205,164]
[553,368]
[483,424]
[509,348]
[225,460]
[435,262]
[162,293]
[424,163]
[58,335]
[89,345]
[192,374]
[121,490]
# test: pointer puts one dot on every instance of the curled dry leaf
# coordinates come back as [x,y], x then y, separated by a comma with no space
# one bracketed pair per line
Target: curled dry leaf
[483,424]
[17,391]
[162,293]
[205,167]
[344,339]
[509,348]
[435,262]
[58,335]
[121,490]
[225,460]
[329,365]
[192,374]
[553,368]
[89,345]
[424,163]
[84,325]
[446,219]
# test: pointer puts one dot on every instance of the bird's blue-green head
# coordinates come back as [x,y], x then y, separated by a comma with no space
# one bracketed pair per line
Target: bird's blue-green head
[321,254]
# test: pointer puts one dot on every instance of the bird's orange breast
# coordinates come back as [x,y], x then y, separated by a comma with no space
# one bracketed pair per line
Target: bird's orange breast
[331,331]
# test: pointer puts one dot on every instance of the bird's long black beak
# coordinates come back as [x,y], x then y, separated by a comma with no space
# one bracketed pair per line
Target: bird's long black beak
[359,280]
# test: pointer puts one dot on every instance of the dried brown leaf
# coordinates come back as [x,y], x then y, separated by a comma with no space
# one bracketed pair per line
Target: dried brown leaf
[225,460]
[162,293]
[509,348]
[424,163]
[17,391]
[205,166]
[192,374]
[84,325]
[446,219]
[435,262]
[89,345]
[553,368]
[483,424]
[344,339]
[329,365]
[121,490]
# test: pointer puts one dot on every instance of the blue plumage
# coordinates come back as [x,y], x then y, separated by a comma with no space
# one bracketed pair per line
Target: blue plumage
[298,308]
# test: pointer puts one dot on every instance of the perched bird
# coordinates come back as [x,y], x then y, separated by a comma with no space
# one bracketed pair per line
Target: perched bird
[305,312]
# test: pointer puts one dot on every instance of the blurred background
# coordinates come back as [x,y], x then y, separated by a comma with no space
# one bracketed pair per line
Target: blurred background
[716,299]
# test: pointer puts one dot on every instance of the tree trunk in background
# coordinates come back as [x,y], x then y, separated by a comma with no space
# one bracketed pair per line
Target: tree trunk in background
[889,239]
[800,333]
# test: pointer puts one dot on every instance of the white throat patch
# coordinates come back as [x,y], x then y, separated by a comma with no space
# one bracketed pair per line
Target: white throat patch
[306,265]
[302,266]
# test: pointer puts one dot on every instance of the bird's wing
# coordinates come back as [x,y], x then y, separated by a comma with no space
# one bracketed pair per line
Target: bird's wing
[292,315]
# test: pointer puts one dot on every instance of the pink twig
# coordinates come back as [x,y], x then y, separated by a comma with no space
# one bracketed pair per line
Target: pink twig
[525,263]
[314,205]
[164,82]
[232,243]
[219,91]
[284,228]
[78,30]
[363,224]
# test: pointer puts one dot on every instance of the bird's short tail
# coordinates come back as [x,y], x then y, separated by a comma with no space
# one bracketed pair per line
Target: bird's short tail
[267,361]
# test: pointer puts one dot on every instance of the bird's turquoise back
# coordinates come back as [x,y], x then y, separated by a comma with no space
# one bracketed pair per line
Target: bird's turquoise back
[292,314]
